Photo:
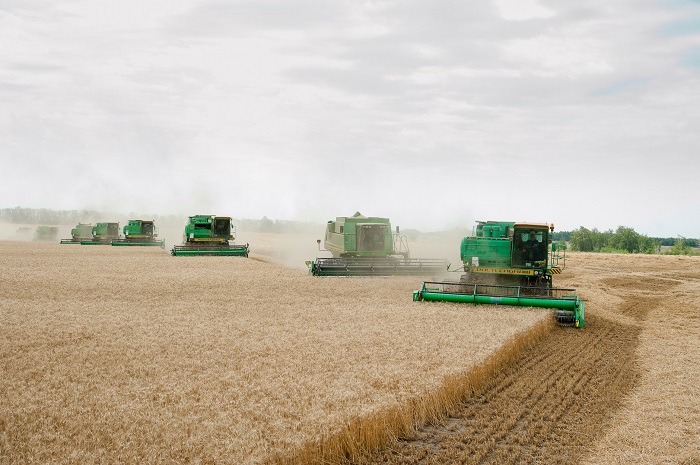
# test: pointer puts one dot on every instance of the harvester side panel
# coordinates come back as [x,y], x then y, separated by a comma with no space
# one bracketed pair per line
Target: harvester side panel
[491,252]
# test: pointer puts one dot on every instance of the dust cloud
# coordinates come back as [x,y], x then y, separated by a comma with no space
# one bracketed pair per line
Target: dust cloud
[291,249]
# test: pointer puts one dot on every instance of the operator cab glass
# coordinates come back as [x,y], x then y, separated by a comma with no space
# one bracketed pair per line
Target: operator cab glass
[222,227]
[371,237]
[147,228]
[530,247]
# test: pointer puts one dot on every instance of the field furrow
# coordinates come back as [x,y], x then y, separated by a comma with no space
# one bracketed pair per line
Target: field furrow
[545,408]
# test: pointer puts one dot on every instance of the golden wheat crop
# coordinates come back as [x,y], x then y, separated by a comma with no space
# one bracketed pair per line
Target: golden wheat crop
[129,355]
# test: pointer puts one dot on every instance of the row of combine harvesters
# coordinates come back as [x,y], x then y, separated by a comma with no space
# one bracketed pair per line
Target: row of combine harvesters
[204,235]
[136,232]
[503,263]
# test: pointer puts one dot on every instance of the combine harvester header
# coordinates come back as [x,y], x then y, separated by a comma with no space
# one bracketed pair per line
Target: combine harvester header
[140,233]
[209,235]
[367,246]
[508,263]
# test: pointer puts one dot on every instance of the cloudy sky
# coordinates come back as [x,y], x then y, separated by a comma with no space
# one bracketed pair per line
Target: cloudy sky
[433,113]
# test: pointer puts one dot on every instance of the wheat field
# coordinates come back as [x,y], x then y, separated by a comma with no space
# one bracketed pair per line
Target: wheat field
[129,355]
[126,355]
[623,390]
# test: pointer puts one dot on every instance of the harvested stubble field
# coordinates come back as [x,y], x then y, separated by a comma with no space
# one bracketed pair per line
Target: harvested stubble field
[129,355]
[623,390]
[135,356]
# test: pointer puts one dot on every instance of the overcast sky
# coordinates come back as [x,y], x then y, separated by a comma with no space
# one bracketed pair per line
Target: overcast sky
[432,113]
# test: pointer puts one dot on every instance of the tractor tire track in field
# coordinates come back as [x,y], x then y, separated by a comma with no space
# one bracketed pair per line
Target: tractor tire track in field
[549,406]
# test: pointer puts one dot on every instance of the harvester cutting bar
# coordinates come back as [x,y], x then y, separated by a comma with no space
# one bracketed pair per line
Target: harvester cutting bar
[95,242]
[226,250]
[70,241]
[570,308]
[376,266]
[139,242]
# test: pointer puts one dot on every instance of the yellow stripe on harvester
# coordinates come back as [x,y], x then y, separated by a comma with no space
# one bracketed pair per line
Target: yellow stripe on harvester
[503,271]
[556,270]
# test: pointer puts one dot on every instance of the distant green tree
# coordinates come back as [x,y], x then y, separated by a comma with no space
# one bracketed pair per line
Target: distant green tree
[581,240]
[626,239]
[602,240]
[681,247]
[648,245]
[561,236]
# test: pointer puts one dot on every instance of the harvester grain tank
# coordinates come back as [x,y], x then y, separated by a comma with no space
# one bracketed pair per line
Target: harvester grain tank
[508,263]
[103,234]
[81,232]
[210,235]
[367,246]
[45,233]
[140,233]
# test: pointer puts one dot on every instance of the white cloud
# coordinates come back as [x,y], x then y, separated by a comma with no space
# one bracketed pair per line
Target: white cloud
[522,10]
[559,55]
[464,110]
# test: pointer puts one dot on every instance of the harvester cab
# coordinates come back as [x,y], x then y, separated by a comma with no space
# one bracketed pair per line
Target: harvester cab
[510,263]
[210,235]
[81,232]
[509,253]
[103,234]
[367,246]
[140,233]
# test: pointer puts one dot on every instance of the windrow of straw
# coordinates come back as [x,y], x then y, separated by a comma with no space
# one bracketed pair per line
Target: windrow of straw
[361,436]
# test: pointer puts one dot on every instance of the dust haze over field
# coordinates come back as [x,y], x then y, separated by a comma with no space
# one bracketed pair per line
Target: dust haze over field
[288,248]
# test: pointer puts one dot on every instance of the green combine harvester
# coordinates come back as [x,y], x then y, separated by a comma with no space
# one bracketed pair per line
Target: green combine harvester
[140,233]
[81,232]
[209,235]
[103,234]
[367,246]
[507,263]
[45,233]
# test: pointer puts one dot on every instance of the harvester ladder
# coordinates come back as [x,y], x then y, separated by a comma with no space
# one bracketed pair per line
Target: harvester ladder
[555,257]
[401,245]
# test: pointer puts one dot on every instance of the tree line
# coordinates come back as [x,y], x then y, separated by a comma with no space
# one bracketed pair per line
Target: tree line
[624,240]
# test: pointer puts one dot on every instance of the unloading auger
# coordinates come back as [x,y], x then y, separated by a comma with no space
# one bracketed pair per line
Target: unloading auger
[507,263]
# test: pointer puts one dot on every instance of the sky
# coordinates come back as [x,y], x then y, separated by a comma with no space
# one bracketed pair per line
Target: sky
[432,113]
